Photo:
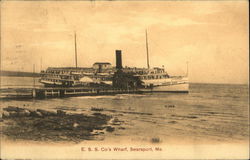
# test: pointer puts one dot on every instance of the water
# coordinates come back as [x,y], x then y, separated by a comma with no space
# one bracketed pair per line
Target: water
[209,113]
[24,82]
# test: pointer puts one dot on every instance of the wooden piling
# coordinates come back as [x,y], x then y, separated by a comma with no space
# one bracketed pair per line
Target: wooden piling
[33,93]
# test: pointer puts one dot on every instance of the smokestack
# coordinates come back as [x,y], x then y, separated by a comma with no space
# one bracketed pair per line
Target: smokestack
[118,59]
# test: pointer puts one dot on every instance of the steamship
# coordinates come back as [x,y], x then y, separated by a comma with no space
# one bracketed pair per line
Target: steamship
[158,80]
[103,74]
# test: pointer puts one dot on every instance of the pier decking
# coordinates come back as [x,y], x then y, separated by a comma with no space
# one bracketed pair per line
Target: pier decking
[51,92]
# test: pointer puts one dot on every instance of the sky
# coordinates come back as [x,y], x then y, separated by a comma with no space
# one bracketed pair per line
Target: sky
[212,36]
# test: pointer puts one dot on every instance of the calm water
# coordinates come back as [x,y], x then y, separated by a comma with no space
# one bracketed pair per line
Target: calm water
[210,112]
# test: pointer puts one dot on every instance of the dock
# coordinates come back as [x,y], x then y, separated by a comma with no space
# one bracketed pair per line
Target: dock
[59,92]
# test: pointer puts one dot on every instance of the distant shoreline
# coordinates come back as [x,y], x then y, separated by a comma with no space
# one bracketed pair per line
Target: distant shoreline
[18,74]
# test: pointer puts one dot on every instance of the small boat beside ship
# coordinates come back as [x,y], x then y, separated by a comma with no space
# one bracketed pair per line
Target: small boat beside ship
[103,74]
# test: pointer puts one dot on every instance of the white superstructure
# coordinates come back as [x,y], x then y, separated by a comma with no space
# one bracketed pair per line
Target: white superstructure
[158,80]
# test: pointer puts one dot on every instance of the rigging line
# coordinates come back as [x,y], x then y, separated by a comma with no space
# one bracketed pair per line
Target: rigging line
[67,26]
[161,50]
[158,47]
[63,17]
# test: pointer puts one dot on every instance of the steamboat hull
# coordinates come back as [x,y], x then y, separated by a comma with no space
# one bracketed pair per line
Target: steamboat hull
[173,88]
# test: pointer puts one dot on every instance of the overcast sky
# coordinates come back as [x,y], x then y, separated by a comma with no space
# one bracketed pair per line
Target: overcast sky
[211,35]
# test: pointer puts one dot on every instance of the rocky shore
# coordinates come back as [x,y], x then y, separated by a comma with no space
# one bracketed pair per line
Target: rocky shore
[54,125]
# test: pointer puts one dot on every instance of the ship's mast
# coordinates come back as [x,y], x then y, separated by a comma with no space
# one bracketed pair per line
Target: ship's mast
[147,49]
[75,50]
[34,82]
[41,62]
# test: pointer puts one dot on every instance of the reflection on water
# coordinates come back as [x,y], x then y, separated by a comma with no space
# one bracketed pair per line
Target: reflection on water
[210,112]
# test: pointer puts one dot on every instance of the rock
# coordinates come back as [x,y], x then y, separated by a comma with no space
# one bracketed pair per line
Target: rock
[96,109]
[97,114]
[170,106]
[5,114]
[24,113]
[116,121]
[13,109]
[61,112]
[75,125]
[39,114]
[13,114]
[46,113]
[110,129]
[27,112]
[97,132]
[172,122]
[35,114]
[1,117]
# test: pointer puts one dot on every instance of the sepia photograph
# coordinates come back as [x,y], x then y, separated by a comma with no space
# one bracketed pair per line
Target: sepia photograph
[124,79]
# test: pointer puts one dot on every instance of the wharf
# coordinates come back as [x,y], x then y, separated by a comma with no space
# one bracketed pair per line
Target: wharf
[54,92]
